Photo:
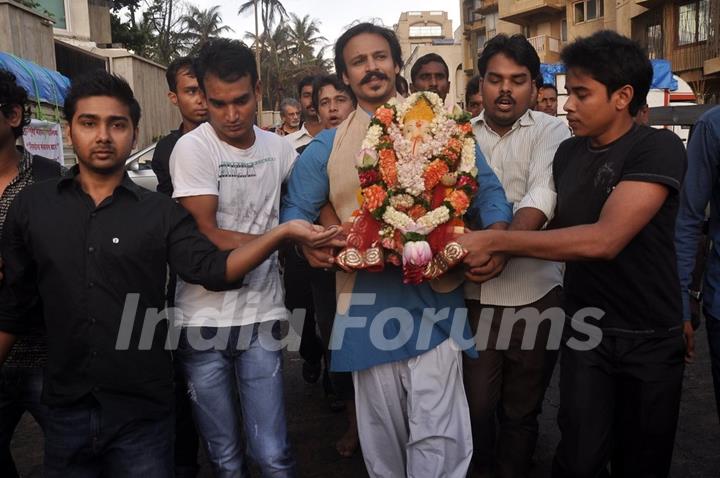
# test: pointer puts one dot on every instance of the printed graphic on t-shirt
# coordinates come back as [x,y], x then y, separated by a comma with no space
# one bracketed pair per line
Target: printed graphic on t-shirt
[241,169]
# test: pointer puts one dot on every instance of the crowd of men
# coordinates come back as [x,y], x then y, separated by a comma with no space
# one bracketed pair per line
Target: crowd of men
[128,373]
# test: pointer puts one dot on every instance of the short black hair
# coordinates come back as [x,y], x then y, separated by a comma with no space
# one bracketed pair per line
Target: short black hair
[401,85]
[614,61]
[227,59]
[305,81]
[548,86]
[424,60]
[360,28]
[11,95]
[184,63]
[472,88]
[516,47]
[101,83]
[325,80]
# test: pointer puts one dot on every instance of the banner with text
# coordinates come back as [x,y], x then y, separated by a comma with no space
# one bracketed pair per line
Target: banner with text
[44,138]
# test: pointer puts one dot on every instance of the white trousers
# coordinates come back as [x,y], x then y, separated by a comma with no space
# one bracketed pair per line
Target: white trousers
[413,416]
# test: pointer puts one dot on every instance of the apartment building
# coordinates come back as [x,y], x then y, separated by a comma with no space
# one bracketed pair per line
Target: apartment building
[677,30]
[423,32]
[76,38]
[480,22]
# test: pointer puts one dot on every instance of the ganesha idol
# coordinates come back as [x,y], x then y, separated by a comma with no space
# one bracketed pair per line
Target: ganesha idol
[417,176]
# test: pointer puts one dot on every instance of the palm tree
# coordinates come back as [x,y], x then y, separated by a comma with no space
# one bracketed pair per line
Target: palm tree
[203,25]
[270,10]
[304,35]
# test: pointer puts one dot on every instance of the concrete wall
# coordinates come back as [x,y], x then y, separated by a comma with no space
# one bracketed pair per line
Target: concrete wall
[26,34]
[584,29]
[147,80]
[99,15]
[77,14]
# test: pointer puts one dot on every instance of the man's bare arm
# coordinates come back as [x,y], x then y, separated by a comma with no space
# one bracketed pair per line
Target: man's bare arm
[630,207]
[6,342]
[204,210]
[525,219]
[253,252]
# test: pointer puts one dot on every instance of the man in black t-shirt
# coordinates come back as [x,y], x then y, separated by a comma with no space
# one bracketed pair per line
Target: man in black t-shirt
[617,197]
[184,93]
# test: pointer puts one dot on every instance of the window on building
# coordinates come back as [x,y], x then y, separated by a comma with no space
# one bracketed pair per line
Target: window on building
[692,22]
[587,10]
[491,21]
[429,30]
[56,9]
[481,42]
[563,31]
[653,34]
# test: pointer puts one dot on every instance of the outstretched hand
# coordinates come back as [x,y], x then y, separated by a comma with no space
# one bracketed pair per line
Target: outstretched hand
[481,262]
[313,235]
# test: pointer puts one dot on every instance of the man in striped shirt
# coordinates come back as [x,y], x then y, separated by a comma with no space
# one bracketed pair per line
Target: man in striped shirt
[519,144]
[22,373]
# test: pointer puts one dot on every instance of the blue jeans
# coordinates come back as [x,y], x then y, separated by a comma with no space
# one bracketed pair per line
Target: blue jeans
[82,442]
[220,375]
[20,391]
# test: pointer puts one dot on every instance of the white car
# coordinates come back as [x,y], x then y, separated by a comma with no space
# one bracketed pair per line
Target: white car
[140,170]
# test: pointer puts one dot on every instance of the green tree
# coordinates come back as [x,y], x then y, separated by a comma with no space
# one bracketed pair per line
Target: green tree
[202,25]
[304,36]
[150,28]
[270,10]
[288,49]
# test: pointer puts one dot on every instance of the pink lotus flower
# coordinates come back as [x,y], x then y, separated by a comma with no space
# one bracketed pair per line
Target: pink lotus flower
[417,253]
[366,158]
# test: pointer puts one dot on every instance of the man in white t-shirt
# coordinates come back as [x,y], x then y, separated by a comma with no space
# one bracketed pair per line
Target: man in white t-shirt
[227,173]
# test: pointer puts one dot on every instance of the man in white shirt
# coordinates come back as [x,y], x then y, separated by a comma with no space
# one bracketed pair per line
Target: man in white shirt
[227,173]
[507,378]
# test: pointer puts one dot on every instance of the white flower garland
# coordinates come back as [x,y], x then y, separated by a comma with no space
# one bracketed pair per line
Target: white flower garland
[411,165]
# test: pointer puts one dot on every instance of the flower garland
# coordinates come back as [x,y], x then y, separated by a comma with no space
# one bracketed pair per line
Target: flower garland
[417,172]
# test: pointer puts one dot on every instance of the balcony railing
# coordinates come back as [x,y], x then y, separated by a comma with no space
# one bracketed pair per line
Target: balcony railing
[518,11]
[547,47]
[689,58]
[486,6]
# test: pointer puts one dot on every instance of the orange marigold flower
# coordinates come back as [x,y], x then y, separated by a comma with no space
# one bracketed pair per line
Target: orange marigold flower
[417,211]
[434,172]
[459,201]
[385,115]
[451,155]
[388,166]
[466,128]
[374,197]
[455,145]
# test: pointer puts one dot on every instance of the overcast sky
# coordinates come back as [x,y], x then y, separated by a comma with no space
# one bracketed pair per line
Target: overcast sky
[333,14]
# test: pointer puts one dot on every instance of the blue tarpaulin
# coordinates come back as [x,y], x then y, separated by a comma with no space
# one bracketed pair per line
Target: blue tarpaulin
[42,85]
[662,74]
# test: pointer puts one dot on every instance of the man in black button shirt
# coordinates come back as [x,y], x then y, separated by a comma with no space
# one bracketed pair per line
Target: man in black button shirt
[617,198]
[94,247]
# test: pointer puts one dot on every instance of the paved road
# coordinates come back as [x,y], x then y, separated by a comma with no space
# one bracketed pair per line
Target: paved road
[314,429]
